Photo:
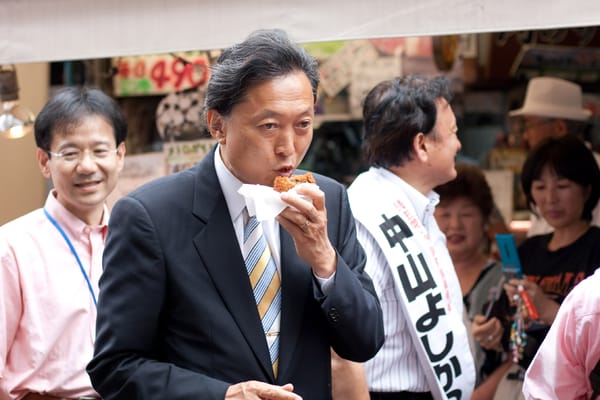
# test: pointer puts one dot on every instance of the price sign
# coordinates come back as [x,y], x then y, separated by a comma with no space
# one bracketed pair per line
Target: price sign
[160,74]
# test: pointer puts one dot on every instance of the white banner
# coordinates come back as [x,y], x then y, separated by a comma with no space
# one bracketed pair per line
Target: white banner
[438,332]
[57,30]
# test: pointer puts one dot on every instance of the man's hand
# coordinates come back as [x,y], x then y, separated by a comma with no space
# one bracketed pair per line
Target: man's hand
[348,379]
[306,221]
[255,390]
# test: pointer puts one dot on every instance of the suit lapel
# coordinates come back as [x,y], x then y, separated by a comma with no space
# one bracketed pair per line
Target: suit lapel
[219,253]
[296,284]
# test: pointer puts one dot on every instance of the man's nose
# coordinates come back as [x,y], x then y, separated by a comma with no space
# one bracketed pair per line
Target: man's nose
[86,161]
[285,143]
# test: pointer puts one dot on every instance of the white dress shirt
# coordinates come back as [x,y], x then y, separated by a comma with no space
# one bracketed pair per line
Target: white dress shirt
[236,205]
[396,366]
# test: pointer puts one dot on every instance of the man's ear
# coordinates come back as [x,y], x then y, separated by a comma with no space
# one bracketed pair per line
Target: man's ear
[560,127]
[216,125]
[43,159]
[420,147]
[587,192]
[121,150]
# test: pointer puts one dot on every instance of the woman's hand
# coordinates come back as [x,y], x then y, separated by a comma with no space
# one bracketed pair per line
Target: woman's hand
[488,333]
[545,306]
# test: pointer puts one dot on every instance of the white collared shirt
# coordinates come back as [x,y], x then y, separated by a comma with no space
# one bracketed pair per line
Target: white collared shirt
[396,366]
[236,204]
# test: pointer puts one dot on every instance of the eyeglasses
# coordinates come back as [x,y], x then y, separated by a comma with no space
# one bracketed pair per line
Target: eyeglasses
[73,156]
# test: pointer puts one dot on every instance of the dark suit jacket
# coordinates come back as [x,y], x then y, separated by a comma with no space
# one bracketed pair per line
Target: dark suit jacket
[176,314]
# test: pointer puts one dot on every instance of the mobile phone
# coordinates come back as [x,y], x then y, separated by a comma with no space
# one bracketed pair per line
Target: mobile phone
[511,264]
[511,268]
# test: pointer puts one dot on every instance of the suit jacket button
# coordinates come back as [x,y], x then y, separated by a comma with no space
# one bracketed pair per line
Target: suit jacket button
[334,315]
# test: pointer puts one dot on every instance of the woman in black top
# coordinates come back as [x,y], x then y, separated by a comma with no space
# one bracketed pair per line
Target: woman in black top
[561,182]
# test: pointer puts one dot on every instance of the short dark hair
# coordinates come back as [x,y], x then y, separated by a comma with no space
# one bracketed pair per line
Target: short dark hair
[395,111]
[69,106]
[570,159]
[263,56]
[470,182]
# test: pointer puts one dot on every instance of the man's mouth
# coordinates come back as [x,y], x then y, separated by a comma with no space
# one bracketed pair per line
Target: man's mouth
[285,171]
[87,183]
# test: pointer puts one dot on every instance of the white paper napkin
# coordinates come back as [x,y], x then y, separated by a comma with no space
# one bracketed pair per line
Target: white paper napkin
[264,202]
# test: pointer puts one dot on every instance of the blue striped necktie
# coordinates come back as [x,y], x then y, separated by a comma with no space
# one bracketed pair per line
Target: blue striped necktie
[265,283]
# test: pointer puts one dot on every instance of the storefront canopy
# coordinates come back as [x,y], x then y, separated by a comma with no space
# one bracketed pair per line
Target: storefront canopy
[56,30]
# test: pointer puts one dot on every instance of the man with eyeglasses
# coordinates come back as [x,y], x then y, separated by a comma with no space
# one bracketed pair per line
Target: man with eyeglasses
[553,107]
[51,258]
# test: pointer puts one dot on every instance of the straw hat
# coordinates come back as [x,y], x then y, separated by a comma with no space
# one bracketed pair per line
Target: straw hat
[553,98]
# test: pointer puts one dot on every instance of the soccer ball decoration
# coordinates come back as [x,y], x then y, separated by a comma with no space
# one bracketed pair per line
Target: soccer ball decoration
[179,116]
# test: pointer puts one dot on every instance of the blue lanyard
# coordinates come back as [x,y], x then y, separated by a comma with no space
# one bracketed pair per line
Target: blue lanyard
[64,235]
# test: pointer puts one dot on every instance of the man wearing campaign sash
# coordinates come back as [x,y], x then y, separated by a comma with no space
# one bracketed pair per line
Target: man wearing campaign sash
[410,144]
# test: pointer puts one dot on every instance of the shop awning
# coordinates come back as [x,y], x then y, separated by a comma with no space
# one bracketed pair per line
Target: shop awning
[56,30]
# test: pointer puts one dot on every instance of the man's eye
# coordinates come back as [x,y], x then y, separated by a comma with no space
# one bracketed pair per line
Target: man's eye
[70,155]
[305,124]
[101,153]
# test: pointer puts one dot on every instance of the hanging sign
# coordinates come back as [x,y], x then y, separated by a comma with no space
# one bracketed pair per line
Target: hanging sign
[160,74]
[180,155]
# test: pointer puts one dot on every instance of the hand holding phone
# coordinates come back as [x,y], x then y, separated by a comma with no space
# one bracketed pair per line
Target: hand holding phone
[511,268]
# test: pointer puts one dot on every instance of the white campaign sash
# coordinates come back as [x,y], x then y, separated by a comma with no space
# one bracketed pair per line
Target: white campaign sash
[438,331]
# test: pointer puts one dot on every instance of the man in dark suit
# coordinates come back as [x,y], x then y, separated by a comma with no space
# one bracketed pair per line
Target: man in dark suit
[177,316]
